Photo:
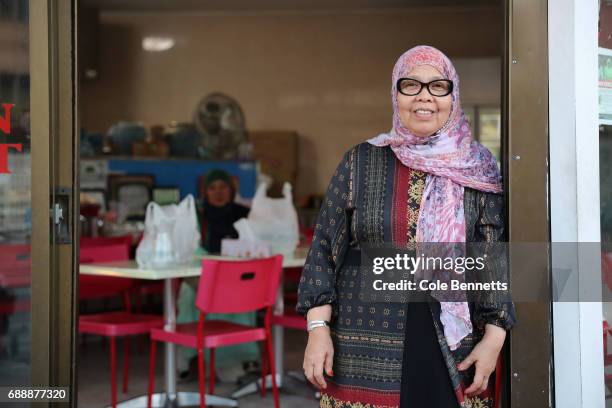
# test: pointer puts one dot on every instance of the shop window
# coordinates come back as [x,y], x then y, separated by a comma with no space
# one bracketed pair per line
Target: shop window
[485,122]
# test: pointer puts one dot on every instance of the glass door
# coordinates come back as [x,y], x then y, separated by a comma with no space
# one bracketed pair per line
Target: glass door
[15,196]
[37,143]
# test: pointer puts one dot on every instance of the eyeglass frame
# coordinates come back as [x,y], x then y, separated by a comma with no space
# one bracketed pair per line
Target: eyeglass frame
[426,85]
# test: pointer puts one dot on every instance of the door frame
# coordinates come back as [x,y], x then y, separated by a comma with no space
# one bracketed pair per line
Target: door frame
[575,201]
[526,175]
[54,141]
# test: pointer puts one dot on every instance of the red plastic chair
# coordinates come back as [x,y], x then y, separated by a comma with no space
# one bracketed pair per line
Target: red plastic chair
[112,324]
[104,249]
[226,287]
[15,265]
[607,357]
[290,320]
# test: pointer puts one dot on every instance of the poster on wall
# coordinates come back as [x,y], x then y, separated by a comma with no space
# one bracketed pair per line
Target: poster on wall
[605,62]
[605,85]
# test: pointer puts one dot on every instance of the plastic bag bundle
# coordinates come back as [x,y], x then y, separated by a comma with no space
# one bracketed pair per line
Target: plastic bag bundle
[271,220]
[171,235]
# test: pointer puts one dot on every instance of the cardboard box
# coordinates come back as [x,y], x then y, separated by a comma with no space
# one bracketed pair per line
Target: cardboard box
[277,153]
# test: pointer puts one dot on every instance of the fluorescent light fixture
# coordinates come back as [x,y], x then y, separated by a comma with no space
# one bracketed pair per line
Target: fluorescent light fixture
[157,44]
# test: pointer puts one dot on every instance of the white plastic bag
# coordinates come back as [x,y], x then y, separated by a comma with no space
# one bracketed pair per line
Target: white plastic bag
[271,220]
[171,235]
[242,248]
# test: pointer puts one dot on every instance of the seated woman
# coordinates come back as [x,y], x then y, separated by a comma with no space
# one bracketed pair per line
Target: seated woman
[217,222]
[220,212]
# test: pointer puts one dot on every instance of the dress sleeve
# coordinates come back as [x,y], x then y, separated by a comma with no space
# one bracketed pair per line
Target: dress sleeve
[495,308]
[318,281]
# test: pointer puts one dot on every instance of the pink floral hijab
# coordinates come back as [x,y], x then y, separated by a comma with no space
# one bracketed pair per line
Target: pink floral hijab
[453,161]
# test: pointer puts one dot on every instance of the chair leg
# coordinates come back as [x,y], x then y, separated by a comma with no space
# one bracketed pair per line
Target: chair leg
[211,372]
[113,347]
[201,378]
[272,368]
[126,362]
[151,371]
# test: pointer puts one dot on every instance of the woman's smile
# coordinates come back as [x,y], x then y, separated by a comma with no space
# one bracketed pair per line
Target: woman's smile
[424,113]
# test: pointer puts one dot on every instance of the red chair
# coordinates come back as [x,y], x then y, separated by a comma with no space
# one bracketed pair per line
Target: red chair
[607,357]
[112,324]
[15,265]
[104,249]
[290,320]
[226,287]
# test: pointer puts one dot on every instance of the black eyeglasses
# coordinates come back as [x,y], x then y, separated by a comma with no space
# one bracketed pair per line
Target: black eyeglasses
[412,87]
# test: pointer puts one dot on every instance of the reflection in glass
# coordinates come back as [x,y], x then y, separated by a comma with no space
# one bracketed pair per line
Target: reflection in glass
[15,198]
[605,179]
[489,123]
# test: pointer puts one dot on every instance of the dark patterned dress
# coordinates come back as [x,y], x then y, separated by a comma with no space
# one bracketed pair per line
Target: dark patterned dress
[374,199]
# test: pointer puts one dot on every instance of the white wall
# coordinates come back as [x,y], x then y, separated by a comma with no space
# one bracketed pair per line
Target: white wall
[325,75]
[574,196]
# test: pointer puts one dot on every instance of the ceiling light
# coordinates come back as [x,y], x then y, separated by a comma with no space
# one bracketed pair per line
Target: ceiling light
[157,43]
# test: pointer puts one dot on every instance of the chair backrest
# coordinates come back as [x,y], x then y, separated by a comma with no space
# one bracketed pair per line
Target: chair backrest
[103,250]
[15,257]
[238,286]
[101,241]
[15,265]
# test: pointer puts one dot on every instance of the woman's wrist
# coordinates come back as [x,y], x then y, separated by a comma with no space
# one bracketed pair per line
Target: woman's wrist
[319,330]
[494,335]
[322,312]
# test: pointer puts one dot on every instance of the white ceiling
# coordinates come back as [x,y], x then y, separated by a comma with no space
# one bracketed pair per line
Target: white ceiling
[257,5]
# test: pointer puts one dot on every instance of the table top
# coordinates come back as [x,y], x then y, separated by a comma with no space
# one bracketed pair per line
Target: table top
[129,269]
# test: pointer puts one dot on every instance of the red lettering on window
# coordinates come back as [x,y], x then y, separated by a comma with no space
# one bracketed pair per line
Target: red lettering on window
[5,122]
[4,149]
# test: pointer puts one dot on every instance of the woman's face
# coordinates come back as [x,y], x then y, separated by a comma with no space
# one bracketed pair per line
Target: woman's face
[218,193]
[424,114]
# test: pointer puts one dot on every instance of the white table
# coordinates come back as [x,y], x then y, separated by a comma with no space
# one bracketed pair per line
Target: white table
[172,398]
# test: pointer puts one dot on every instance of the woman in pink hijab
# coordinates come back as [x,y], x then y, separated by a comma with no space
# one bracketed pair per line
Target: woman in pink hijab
[425,181]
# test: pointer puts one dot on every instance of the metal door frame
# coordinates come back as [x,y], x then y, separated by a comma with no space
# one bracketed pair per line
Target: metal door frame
[54,141]
[526,173]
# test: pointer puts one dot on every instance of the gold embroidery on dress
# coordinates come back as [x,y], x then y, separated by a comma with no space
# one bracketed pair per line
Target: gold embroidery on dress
[477,402]
[328,401]
[415,193]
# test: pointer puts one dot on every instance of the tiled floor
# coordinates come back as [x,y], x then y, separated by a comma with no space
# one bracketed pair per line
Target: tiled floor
[93,376]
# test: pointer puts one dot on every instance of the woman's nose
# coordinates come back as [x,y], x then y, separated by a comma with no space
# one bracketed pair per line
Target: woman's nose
[424,96]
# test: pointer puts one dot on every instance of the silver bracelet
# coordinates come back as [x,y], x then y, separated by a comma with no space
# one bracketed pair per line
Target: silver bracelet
[313,324]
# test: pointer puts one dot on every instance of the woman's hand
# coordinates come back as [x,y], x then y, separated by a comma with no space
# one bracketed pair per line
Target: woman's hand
[319,356]
[484,355]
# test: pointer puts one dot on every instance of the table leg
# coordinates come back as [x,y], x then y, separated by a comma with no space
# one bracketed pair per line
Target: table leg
[170,352]
[279,334]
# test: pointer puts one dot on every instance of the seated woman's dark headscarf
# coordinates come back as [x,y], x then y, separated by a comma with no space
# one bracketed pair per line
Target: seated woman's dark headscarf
[220,212]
